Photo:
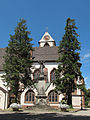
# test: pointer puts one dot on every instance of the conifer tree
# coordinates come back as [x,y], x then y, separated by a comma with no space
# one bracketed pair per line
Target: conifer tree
[17,59]
[69,67]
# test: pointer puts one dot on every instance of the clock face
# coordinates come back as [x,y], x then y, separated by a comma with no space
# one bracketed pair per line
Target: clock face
[46,37]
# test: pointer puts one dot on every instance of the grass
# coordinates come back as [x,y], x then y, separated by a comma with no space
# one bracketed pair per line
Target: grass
[73,109]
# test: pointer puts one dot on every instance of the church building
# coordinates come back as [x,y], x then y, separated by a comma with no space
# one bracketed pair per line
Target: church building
[45,59]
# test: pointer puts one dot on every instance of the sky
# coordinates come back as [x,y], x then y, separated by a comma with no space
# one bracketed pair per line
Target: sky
[41,14]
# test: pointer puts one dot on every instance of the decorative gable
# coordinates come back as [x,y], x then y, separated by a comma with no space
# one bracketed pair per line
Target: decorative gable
[47,40]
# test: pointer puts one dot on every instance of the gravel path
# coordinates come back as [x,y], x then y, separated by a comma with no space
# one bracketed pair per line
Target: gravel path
[80,115]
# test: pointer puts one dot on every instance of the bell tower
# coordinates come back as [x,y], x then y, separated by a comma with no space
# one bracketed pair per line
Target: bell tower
[47,40]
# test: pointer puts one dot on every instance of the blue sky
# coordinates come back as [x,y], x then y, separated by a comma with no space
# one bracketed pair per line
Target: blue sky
[40,14]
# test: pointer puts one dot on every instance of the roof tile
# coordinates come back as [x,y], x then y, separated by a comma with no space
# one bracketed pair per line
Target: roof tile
[40,53]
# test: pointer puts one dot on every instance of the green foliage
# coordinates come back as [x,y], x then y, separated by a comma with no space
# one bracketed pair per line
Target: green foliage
[88,93]
[17,59]
[69,67]
[87,97]
[82,87]
[70,107]
[63,102]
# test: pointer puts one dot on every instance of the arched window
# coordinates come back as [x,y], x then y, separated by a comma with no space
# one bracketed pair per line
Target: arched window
[29,96]
[52,75]
[53,97]
[36,75]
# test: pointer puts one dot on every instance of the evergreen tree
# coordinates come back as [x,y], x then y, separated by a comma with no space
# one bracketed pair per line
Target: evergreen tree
[87,97]
[17,59]
[69,67]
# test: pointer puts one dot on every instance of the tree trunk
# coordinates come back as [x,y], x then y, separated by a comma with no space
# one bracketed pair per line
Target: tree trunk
[9,99]
[16,98]
[69,99]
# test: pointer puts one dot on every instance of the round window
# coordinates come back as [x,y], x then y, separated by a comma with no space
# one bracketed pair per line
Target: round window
[46,37]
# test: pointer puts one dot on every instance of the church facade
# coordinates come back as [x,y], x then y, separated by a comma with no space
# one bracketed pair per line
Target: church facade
[47,55]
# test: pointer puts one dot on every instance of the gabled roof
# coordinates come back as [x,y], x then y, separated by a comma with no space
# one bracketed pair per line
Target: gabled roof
[46,39]
[3,90]
[46,53]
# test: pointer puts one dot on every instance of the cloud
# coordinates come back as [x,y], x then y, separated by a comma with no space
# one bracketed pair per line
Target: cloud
[85,78]
[86,56]
[85,59]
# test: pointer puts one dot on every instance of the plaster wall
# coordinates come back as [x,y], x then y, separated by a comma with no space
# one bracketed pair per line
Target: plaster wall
[3,93]
[51,44]
[76,101]
[2,84]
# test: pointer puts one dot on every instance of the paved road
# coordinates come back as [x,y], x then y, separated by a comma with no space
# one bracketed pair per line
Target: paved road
[80,115]
[85,112]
